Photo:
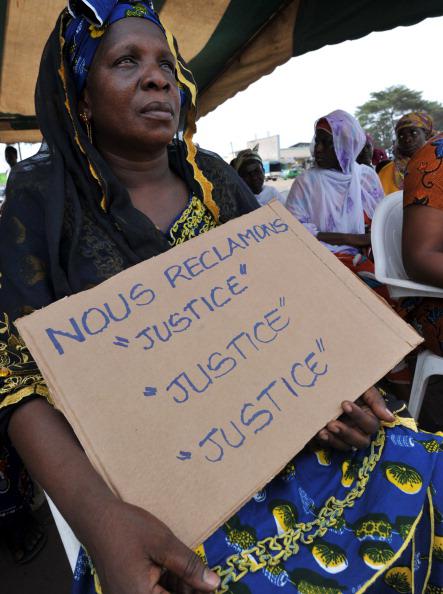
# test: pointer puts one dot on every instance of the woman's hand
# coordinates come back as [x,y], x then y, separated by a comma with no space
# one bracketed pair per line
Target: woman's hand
[135,553]
[354,239]
[360,420]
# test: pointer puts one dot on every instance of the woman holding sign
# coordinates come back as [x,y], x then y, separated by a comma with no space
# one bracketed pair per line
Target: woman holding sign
[113,186]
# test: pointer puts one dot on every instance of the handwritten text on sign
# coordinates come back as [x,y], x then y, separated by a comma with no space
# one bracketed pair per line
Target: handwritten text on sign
[99,318]
[254,416]
[196,381]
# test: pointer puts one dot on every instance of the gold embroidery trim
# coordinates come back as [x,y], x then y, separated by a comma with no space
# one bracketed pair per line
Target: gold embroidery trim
[191,151]
[431,540]
[62,74]
[271,550]
[34,390]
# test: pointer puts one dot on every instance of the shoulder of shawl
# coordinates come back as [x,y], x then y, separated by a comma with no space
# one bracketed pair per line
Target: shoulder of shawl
[228,191]
[30,173]
[210,162]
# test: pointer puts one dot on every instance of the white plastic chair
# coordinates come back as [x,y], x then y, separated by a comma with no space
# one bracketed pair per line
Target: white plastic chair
[68,538]
[386,238]
[386,241]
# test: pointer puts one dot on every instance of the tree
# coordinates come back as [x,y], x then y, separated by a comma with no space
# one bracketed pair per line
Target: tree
[379,115]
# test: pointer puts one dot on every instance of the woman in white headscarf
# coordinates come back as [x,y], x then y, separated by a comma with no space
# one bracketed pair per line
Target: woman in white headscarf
[336,199]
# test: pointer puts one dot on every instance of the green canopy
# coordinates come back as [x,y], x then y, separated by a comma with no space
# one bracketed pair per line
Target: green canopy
[229,44]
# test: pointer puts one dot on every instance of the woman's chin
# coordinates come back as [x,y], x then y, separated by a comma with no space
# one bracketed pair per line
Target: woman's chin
[152,140]
[409,152]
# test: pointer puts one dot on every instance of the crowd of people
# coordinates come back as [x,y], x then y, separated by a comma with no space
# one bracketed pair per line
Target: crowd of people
[360,508]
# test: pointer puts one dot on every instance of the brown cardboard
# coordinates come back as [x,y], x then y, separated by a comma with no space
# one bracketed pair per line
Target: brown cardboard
[321,322]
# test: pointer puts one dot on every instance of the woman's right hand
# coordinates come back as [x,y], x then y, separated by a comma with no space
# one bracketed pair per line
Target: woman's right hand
[135,553]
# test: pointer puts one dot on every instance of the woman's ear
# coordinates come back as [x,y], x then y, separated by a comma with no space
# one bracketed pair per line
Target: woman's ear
[84,104]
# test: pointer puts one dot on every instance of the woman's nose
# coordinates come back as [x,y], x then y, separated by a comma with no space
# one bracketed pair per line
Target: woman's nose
[155,78]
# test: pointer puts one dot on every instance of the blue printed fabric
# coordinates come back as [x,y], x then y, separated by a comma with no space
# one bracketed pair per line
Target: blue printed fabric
[369,521]
[85,30]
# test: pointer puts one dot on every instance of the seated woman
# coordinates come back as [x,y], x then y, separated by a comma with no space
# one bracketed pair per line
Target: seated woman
[115,186]
[423,248]
[411,131]
[336,199]
[249,166]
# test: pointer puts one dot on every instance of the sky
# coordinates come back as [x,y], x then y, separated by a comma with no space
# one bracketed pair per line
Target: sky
[289,100]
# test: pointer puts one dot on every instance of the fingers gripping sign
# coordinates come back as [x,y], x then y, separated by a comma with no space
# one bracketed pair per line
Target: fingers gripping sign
[375,401]
[360,420]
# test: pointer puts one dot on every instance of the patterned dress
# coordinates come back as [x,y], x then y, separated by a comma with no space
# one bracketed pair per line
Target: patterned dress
[424,187]
[331,522]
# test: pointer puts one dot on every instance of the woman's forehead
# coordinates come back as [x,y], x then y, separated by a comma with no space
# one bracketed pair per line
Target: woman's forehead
[322,134]
[409,129]
[131,32]
[251,166]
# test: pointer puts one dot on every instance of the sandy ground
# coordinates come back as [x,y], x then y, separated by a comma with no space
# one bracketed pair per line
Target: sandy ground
[282,185]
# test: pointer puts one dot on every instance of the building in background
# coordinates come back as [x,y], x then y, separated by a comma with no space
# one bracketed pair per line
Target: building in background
[279,161]
[268,147]
[269,150]
[297,155]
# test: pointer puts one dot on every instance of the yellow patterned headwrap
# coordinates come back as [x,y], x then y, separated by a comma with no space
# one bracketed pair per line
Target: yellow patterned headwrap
[417,119]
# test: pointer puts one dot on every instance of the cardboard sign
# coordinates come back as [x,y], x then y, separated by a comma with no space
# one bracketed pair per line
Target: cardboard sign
[193,378]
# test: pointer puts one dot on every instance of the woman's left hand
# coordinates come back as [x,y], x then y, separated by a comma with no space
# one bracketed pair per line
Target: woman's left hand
[360,420]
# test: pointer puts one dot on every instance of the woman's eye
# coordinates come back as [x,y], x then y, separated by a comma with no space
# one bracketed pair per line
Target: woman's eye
[124,60]
[168,66]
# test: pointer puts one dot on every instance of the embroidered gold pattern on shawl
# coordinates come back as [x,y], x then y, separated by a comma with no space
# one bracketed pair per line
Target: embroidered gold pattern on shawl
[18,371]
[195,219]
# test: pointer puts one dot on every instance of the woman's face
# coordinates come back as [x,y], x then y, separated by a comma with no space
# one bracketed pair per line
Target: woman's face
[365,157]
[410,139]
[324,152]
[131,95]
[253,174]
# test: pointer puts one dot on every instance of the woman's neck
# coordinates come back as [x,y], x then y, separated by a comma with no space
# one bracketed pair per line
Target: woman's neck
[135,174]
[153,187]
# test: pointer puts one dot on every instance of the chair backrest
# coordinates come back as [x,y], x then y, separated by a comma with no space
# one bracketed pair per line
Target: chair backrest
[386,232]
[386,238]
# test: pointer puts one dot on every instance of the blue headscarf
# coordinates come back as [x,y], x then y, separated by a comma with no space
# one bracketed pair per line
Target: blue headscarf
[90,20]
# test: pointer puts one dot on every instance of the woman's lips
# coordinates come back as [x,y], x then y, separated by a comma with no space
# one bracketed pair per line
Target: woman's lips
[409,149]
[157,110]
